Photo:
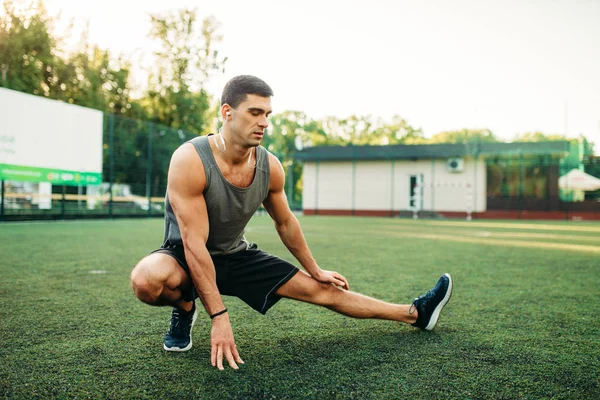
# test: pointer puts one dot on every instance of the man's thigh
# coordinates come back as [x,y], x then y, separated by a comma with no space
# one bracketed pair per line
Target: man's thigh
[254,276]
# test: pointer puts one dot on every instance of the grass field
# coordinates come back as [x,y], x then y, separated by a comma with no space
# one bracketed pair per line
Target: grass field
[524,320]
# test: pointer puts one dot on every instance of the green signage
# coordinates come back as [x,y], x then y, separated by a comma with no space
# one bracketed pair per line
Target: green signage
[54,176]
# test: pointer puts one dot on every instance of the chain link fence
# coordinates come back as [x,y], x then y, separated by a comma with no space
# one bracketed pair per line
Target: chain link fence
[136,157]
[135,163]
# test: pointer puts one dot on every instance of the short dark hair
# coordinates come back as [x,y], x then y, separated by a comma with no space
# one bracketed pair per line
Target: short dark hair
[236,90]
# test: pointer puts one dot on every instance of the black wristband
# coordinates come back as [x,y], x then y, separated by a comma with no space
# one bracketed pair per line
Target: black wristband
[219,313]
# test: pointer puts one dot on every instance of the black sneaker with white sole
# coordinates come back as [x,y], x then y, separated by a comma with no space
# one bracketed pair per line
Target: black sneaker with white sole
[179,337]
[431,303]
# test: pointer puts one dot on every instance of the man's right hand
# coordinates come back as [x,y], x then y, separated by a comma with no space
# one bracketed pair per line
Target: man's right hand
[223,344]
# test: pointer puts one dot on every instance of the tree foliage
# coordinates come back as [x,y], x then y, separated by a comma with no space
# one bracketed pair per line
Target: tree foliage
[464,136]
[186,59]
[538,137]
[31,61]
[27,58]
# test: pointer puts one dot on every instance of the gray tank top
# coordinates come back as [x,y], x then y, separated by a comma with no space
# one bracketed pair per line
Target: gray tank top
[229,207]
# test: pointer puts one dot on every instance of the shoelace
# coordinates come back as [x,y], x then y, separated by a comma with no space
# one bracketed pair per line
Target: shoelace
[426,296]
[177,327]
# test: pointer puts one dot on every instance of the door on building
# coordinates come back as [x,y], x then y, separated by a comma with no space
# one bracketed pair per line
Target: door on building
[415,198]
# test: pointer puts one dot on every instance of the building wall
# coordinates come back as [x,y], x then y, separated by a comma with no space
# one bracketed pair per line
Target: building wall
[457,191]
[373,185]
[329,185]
[385,185]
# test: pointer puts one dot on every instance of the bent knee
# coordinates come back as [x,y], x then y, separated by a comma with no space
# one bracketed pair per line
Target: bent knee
[147,285]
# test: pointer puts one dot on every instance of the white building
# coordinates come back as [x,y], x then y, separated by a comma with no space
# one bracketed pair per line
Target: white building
[437,179]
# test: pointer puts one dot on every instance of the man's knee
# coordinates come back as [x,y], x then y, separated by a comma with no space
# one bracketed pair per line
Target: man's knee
[305,288]
[329,295]
[323,294]
[147,285]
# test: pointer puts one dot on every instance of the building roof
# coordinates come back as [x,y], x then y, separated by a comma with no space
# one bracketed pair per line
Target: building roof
[429,151]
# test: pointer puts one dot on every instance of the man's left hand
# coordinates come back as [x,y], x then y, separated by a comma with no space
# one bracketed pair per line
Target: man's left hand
[332,277]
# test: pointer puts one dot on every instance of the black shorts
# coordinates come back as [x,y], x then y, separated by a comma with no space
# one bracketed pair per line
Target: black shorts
[252,275]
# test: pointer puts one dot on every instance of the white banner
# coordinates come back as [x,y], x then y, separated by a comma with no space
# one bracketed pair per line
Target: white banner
[39,132]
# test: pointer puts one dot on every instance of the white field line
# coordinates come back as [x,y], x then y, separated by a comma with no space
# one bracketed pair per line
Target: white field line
[537,236]
[493,242]
[476,224]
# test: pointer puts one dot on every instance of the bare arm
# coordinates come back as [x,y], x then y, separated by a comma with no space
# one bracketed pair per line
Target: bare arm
[187,181]
[289,229]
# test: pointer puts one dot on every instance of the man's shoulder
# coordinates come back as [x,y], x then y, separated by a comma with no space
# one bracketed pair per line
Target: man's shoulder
[276,174]
[189,149]
[272,158]
[185,163]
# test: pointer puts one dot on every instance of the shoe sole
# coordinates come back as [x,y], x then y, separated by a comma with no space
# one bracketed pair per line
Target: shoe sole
[438,309]
[189,346]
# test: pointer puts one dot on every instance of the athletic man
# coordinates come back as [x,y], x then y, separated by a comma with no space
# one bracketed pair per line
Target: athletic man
[215,184]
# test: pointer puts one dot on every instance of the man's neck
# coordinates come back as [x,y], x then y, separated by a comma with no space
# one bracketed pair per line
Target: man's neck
[231,152]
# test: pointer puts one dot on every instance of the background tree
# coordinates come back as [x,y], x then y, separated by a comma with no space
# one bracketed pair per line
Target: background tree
[27,58]
[92,78]
[289,132]
[464,136]
[186,59]
[537,137]
[399,131]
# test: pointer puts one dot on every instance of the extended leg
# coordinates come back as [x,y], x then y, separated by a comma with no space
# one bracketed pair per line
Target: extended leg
[422,313]
[304,288]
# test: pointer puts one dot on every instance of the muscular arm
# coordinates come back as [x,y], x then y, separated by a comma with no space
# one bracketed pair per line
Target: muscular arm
[187,181]
[185,191]
[289,230]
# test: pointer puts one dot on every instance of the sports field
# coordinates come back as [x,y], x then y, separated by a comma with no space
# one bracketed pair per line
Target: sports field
[523,322]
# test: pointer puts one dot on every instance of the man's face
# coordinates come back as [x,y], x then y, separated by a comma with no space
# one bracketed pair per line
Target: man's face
[249,119]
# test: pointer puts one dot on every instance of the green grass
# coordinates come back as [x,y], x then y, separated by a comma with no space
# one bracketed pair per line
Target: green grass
[523,321]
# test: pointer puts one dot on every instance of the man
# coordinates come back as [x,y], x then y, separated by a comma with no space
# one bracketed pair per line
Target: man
[215,184]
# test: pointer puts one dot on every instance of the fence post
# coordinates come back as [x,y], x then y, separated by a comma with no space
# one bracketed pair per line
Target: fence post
[392,186]
[111,162]
[317,187]
[474,198]
[2,203]
[62,202]
[433,187]
[520,182]
[353,184]
[149,170]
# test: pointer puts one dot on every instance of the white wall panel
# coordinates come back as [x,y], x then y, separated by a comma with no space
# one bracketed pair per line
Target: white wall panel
[334,186]
[373,185]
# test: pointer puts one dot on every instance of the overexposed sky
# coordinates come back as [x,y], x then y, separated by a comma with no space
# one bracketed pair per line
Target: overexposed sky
[511,66]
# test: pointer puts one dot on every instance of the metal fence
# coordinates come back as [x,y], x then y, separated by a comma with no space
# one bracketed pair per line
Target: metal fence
[136,157]
[536,185]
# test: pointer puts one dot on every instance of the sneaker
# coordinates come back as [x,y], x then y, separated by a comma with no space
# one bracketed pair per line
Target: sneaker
[179,337]
[431,303]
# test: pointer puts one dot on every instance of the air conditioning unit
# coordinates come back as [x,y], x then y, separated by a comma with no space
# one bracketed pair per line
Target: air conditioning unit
[455,164]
